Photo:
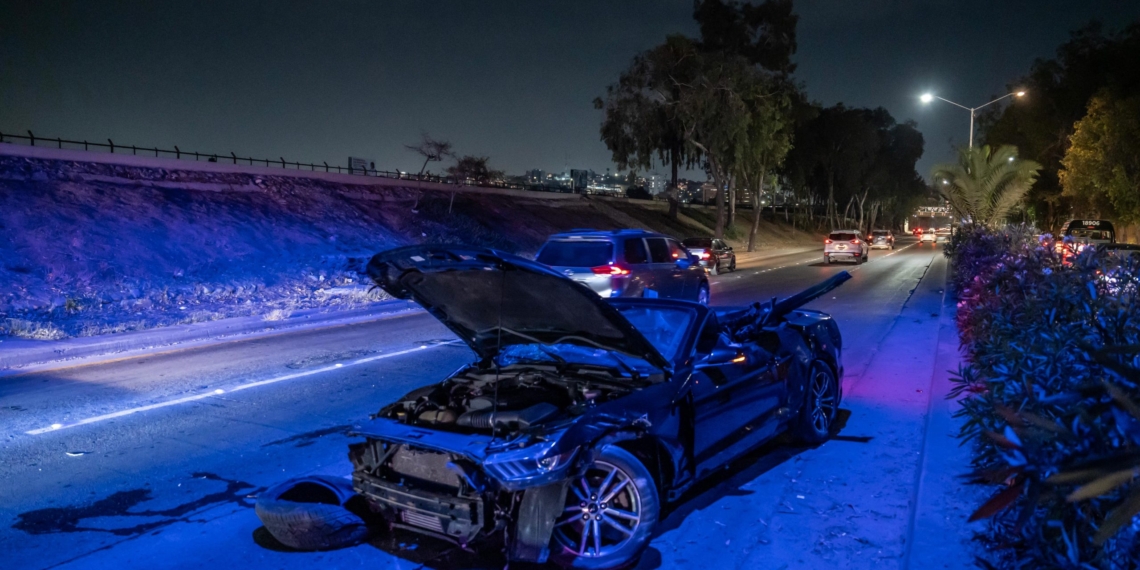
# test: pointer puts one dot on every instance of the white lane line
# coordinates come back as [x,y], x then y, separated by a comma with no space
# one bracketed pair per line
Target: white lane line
[219,391]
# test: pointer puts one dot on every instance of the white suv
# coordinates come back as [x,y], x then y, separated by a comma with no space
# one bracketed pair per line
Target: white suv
[845,245]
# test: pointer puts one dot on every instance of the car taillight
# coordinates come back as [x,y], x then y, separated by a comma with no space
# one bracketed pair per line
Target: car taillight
[704,255]
[868,238]
[855,241]
[609,270]
[826,241]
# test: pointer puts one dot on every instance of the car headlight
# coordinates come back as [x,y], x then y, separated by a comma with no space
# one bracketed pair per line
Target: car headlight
[528,462]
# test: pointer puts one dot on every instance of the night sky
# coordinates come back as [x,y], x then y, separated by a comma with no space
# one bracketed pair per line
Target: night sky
[319,81]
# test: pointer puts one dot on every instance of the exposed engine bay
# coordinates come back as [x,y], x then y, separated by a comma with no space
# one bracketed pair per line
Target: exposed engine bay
[526,395]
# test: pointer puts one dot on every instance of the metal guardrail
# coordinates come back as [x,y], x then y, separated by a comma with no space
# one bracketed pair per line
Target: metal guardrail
[31,139]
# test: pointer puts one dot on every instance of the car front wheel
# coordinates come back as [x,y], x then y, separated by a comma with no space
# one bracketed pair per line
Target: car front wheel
[609,516]
[820,408]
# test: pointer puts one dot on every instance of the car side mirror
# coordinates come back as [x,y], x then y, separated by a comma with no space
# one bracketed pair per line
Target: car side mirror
[721,356]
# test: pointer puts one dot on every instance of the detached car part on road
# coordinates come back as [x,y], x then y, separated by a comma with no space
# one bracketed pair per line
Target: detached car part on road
[582,416]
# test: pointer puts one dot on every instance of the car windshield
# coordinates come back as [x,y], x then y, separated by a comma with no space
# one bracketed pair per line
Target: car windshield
[879,233]
[576,253]
[698,242]
[841,236]
[664,327]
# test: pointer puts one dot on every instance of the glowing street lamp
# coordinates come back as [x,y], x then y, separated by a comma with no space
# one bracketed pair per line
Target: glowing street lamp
[927,98]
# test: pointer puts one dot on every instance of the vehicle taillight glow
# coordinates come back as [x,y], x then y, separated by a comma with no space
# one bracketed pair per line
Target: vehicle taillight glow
[855,241]
[826,241]
[609,270]
[704,255]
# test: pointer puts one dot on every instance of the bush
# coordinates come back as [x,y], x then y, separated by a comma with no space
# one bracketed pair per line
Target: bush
[1050,390]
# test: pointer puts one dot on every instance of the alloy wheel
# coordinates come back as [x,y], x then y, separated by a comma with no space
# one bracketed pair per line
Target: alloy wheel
[822,401]
[603,510]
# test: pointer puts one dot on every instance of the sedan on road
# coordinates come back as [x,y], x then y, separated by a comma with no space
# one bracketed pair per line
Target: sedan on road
[714,253]
[884,239]
[581,416]
[928,237]
[845,245]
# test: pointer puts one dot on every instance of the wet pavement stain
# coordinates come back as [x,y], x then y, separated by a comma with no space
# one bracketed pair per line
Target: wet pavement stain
[309,438]
[70,519]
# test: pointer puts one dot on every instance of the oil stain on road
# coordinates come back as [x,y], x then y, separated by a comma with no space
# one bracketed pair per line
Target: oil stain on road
[121,505]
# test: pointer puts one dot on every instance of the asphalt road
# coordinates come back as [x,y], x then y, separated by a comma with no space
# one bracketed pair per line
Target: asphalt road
[154,462]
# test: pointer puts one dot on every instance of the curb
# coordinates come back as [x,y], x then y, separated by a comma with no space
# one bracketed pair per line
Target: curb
[89,350]
[939,535]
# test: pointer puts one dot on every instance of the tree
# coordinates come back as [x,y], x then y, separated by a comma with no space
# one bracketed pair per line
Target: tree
[474,168]
[768,140]
[1059,92]
[641,126]
[431,149]
[763,34]
[1101,170]
[714,109]
[985,186]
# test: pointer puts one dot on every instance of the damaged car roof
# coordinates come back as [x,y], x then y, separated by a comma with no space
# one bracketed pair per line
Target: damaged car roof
[492,300]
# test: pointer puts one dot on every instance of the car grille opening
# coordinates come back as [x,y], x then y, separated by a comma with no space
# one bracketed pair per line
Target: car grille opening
[422,521]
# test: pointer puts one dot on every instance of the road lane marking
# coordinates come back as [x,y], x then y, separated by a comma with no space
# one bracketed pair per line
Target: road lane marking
[219,391]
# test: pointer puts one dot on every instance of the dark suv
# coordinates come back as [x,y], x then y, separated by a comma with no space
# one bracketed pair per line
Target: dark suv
[714,253]
[627,263]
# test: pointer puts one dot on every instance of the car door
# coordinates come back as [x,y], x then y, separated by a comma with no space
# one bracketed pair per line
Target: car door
[668,280]
[689,273]
[636,257]
[733,403]
[725,255]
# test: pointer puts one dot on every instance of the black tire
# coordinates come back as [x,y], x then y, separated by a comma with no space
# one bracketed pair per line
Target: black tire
[822,396]
[732,266]
[636,495]
[704,297]
[827,260]
[309,513]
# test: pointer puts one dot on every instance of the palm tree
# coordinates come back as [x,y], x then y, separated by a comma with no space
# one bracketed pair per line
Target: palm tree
[985,186]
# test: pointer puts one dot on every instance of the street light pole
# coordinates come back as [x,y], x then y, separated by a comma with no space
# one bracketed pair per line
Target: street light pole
[927,98]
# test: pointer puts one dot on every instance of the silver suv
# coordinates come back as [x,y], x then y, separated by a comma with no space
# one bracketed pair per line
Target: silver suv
[627,263]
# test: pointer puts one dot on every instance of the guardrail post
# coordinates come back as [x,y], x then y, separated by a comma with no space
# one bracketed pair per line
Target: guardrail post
[84,144]
[156,152]
[282,161]
[326,166]
[177,152]
[32,137]
[1,136]
[112,143]
[233,155]
[60,141]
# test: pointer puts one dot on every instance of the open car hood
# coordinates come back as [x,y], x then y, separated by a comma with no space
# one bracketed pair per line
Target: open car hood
[493,300]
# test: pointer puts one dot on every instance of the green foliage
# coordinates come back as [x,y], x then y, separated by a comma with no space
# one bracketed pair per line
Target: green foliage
[1059,92]
[764,34]
[1050,409]
[1102,168]
[985,186]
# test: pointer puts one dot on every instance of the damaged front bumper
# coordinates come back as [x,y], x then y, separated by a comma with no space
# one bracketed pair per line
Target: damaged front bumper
[462,487]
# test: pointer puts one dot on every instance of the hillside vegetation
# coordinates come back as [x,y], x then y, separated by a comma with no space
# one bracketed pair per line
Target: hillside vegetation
[89,248]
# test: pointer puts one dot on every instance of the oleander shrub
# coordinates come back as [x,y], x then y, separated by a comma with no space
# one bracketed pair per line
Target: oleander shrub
[1049,397]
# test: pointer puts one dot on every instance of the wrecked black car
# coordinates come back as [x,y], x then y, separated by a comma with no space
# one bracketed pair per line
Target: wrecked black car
[582,416]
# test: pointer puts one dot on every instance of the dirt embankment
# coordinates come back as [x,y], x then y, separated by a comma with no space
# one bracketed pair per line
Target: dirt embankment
[89,248]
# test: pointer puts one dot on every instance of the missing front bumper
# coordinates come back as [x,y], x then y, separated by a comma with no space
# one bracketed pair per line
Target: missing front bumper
[447,516]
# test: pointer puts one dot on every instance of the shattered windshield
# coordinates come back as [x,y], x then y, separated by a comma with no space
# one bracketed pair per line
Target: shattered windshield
[664,327]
